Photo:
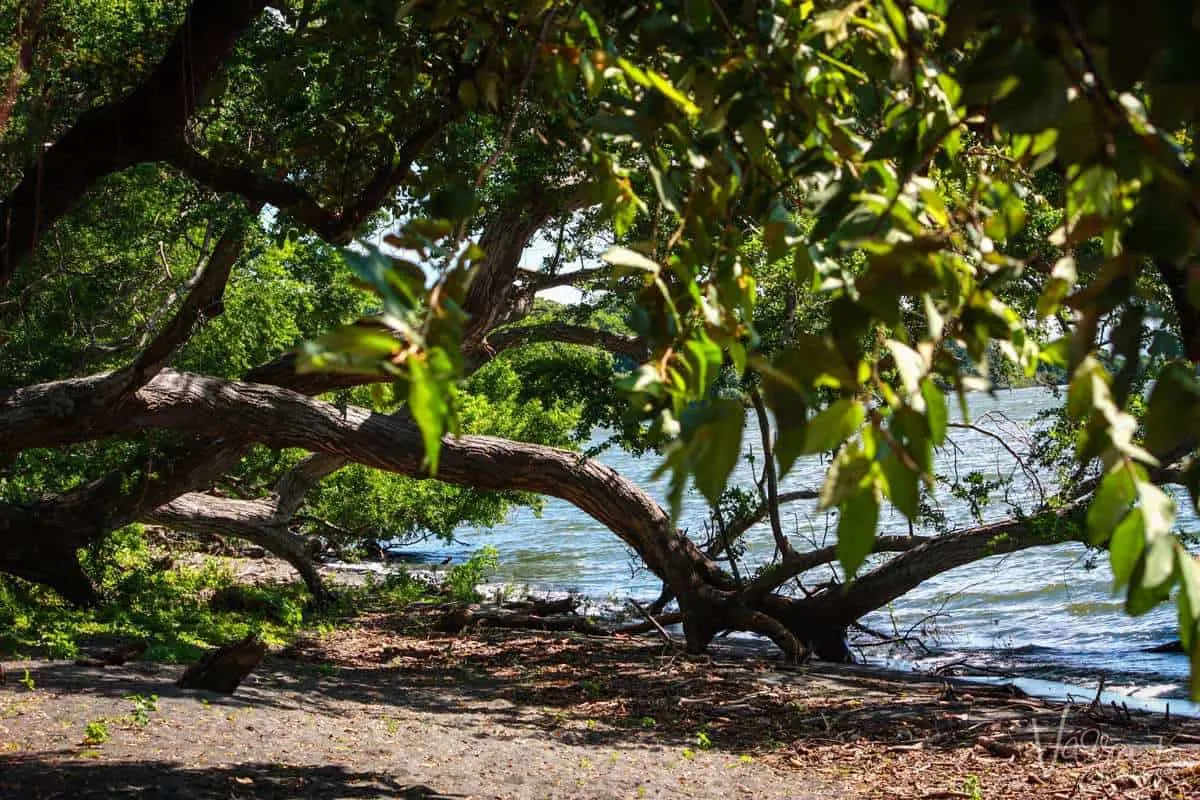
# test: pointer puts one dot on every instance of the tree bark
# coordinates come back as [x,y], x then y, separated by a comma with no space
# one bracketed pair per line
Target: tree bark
[40,551]
[632,347]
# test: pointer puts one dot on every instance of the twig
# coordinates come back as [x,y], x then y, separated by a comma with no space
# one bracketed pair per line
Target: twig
[1096,701]
[647,616]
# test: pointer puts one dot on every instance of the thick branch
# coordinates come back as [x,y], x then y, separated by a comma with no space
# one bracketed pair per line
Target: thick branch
[338,225]
[205,290]
[932,556]
[252,520]
[539,281]
[505,238]
[140,127]
[279,418]
[297,482]
[798,563]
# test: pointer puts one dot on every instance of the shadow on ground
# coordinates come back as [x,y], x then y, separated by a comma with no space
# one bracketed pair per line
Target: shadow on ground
[623,692]
[37,776]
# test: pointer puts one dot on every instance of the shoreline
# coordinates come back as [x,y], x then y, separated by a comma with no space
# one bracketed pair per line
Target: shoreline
[611,611]
[391,707]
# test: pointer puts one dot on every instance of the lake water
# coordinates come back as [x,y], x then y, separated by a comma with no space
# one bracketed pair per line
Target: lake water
[1046,613]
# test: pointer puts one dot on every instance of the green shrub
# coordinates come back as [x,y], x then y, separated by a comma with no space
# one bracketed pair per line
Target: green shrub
[170,609]
[463,580]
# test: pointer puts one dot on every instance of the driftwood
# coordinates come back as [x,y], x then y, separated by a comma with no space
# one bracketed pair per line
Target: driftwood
[222,670]
[543,608]
[115,656]
[457,618]
[651,626]
[657,626]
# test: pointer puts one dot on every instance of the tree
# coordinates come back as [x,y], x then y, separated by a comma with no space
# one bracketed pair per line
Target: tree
[834,212]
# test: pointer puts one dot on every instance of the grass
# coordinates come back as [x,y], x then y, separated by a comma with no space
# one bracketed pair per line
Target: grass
[169,609]
[95,732]
[143,707]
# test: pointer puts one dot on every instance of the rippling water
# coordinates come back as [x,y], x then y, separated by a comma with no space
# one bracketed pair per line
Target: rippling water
[1043,613]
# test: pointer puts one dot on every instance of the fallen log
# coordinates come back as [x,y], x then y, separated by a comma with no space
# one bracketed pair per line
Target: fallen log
[458,618]
[543,608]
[115,656]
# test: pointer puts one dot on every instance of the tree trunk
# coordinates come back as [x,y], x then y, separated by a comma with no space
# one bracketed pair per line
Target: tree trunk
[223,670]
[44,553]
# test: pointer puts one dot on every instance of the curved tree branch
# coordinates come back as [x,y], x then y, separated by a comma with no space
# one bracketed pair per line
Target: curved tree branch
[931,556]
[621,344]
[253,520]
[337,226]
[540,281]
[203,301]
[798,563]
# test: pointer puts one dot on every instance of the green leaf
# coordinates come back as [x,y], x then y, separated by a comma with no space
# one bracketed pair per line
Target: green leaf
[1144,596]
[902,485]
[427,401]
[624,257]
[935,411]
[844,478]
[1158,510]
[1080,133]
[909,364]
[1126,546]
[1159,562]
[1110,505]
[787,402]
[1062,279]
[681,101]
[714,436]
[827,430]
[1040,97]
[856,529]
[1162,225]
[1189,598]
[1174,409]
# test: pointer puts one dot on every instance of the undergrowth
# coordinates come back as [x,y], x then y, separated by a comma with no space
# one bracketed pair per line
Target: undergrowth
[168,607]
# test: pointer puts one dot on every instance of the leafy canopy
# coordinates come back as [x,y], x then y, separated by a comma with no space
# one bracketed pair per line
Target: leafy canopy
[888,153]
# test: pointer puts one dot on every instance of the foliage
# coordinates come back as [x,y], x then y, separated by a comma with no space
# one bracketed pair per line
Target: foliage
[168,608]
[858,208]
[96,732]
[464,579]
[143,707]
[888,152]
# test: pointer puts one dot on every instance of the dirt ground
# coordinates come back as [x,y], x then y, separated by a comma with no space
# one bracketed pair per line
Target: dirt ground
[391,709]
